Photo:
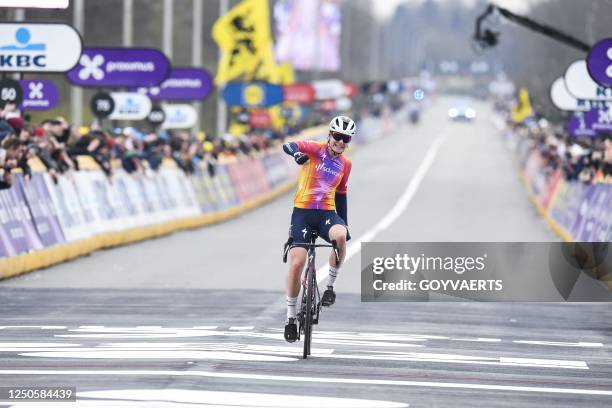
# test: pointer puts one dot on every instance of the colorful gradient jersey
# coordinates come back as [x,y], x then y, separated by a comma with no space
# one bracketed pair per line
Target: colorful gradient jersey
[321,177]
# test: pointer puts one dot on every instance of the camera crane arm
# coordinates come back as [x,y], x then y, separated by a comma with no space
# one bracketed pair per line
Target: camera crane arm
[487,38]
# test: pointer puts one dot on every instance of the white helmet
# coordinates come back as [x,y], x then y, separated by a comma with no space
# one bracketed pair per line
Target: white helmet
[344,125]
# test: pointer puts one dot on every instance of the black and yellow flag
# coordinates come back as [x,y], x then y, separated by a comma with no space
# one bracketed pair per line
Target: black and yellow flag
[523,110]
[243,34]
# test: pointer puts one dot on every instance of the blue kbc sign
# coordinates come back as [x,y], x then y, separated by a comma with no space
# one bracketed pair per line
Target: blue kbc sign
[24,52]
[29,47]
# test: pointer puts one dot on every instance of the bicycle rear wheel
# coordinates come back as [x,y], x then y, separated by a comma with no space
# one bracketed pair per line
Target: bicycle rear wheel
[308,314]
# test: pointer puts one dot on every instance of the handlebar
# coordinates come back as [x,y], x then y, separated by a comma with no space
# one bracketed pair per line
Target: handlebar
[290,244]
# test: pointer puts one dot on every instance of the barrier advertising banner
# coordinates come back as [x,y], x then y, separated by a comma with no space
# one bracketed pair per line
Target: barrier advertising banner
[42,210]
[17,221]
[224,188]
[203,189]
[276,169]
[74,221]
[10,240]
[592,218]
[248,178]
[139,209]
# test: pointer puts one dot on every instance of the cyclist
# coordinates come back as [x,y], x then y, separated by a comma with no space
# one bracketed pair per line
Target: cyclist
[319,203]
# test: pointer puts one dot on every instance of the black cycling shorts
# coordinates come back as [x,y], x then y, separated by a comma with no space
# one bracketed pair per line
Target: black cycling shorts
[304,220]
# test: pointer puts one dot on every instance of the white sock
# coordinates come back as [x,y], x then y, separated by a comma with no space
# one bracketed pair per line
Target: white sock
[333,274]
[291,303]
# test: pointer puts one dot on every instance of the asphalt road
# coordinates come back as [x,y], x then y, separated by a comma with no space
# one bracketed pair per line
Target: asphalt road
[196,317]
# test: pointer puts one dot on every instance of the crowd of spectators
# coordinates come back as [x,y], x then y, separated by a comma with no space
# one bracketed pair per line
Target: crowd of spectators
[58,145]
[588,159]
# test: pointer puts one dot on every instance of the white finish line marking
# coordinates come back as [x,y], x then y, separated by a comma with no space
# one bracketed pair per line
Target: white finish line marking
[395,212]
[34,327]
[234,399]
[327,380]
[558,343]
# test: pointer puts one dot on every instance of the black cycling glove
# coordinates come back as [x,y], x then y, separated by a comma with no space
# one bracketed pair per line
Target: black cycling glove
[300,158]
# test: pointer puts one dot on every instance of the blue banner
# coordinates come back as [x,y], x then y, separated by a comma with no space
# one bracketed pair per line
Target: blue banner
[253,94]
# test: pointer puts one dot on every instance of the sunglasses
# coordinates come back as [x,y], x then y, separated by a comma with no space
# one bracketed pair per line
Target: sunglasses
[339,136]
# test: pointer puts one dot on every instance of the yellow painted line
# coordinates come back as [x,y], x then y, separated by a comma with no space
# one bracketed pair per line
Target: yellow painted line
[23,263]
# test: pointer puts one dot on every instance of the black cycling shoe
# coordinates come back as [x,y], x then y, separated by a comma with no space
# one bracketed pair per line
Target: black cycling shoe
[291,330]
[329,297]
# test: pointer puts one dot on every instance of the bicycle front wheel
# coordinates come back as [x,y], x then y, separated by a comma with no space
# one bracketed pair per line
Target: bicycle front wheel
[308,314]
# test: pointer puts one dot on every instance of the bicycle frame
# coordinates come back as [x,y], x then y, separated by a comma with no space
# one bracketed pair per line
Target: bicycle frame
[310,305]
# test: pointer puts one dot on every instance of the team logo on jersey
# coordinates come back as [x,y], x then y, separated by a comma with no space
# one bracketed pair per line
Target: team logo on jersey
[321,167]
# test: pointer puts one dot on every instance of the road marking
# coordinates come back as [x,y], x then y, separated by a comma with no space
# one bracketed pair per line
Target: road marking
[233,399]
[34,327]
[240,351]
[234,345]
[461,359]
[479,339]
[396,211]
[543,363]
[28,346]
[324,380]
[559,343]
[135,354]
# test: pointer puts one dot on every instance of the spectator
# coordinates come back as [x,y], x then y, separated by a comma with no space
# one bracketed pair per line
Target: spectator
[58,146]
[10,154]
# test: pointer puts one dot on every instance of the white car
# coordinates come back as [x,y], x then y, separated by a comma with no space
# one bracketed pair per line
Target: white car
[462,111]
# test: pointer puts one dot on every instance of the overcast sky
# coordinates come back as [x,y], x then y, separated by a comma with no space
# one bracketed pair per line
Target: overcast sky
[385,8]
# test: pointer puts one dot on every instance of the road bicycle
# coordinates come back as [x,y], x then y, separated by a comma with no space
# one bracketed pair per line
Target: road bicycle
[310,305]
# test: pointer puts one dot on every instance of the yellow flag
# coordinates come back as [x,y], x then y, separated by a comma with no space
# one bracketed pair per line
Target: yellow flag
[243,34]
[286,74]
[237,129]
[276,117]
[523,110]
[268,70]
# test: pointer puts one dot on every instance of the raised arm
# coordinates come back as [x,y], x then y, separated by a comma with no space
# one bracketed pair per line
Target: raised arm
[293,149]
